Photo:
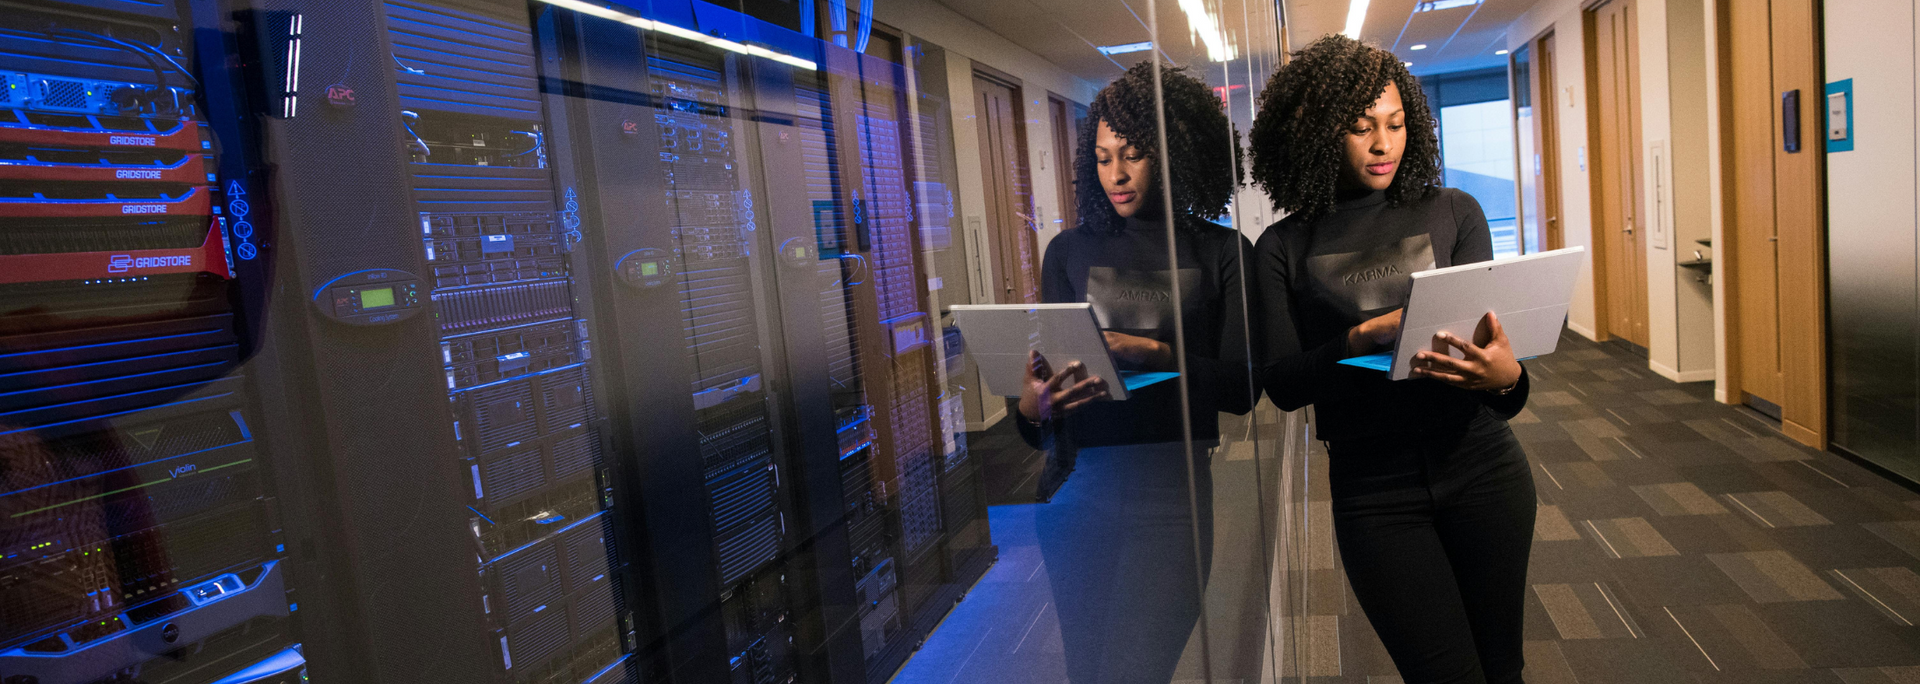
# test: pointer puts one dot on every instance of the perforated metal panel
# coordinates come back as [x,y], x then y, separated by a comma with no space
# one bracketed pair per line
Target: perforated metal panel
[451,60]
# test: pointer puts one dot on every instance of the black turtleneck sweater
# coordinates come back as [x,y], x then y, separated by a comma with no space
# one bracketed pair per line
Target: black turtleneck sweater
[1319,278]
[1125,277]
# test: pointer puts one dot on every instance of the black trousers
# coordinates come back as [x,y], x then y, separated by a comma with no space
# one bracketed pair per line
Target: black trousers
[1435,532]
[1119,545]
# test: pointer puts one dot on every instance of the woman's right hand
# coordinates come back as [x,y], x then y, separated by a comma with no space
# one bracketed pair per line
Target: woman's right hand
[1375,333]
[1045,394]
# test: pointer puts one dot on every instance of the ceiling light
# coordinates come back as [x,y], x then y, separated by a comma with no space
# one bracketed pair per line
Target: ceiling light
[1202,25]
[1433,5]
[1499,52]
[1141,46]
[1421,46]
[1356,15]
[670,29]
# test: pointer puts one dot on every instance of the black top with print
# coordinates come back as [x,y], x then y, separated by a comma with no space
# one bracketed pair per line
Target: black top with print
[1125,278]
[1318,279]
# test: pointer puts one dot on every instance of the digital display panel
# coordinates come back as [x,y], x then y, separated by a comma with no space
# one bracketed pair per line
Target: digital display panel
[376,298]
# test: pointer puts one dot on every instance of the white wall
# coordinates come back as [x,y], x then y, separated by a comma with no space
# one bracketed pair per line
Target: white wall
[1690,204]
[1656,131]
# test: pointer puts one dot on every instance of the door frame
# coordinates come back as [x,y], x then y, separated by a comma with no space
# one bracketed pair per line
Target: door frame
[1000,252]
[1066,137]
[1543,51]
[1603,294]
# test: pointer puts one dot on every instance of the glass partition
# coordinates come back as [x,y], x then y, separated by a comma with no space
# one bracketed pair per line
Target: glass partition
[581,342]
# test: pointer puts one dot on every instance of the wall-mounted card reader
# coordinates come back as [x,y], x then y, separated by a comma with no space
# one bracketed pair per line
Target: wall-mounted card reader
[372,297]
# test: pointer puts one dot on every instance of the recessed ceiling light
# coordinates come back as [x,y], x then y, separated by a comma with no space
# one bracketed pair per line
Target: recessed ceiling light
[1499,52]
[1141,46]
[1421,46]
[1443,4]
[1356,16]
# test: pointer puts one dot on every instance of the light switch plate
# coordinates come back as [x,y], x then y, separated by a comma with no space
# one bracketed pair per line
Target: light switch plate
[1839,116]
[1836,116]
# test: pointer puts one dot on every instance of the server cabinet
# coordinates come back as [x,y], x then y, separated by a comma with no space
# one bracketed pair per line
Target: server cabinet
[141,536]
[465,341]
[767,209]
[654,150]
[452,396]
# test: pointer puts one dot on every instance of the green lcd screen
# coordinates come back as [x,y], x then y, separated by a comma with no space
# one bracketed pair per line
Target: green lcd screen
[650,268]
[374,299]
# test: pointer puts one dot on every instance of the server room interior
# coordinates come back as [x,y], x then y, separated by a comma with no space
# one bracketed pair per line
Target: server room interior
[554,341]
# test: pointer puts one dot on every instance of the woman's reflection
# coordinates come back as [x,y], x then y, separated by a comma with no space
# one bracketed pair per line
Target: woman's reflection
[1119,541]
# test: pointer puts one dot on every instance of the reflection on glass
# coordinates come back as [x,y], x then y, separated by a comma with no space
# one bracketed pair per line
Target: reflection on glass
[1126,580]
[566,342]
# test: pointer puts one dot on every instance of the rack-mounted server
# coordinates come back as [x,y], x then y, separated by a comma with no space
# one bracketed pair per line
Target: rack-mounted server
[140,539]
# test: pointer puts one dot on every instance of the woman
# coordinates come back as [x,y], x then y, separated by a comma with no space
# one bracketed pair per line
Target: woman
[1433,499]
[1119,540]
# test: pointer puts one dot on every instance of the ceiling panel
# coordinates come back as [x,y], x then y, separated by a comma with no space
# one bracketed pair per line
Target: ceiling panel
[1066,32]
[1457,39]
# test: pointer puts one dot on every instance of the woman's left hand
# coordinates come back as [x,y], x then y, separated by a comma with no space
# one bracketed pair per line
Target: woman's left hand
[1489,365]
[1139,353]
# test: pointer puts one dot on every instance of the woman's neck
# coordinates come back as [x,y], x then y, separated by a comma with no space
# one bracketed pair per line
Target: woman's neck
[1146,220]
[1348,192]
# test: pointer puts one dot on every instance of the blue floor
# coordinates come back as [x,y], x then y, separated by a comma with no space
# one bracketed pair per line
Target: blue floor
[1107,567]
[1006,629]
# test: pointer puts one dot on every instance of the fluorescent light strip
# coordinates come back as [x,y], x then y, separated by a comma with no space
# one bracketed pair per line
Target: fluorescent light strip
[1141,46]
[670,29]
[1356,15]
[1443,4]
[1203,24]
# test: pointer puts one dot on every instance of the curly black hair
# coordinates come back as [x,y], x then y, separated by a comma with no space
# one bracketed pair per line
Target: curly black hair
[1308,106]
[1204,146]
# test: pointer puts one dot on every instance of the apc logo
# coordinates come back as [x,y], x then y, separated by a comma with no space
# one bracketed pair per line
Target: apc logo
[119,263]
[339,95]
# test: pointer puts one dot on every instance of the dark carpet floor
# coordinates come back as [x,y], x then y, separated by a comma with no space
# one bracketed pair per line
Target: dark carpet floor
[1679,540]
[1683,540]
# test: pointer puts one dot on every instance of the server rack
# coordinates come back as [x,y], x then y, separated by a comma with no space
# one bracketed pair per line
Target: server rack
[142,537]
[490,340]
[452,400]
[820,243]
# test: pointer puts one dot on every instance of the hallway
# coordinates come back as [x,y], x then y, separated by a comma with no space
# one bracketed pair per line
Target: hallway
[1679,540]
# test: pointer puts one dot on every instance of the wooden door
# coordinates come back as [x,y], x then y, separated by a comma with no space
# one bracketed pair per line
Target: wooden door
[1775,231]
[1008,191]
[1756,247]
[1620,243]
[1546,139]
[1066,136]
